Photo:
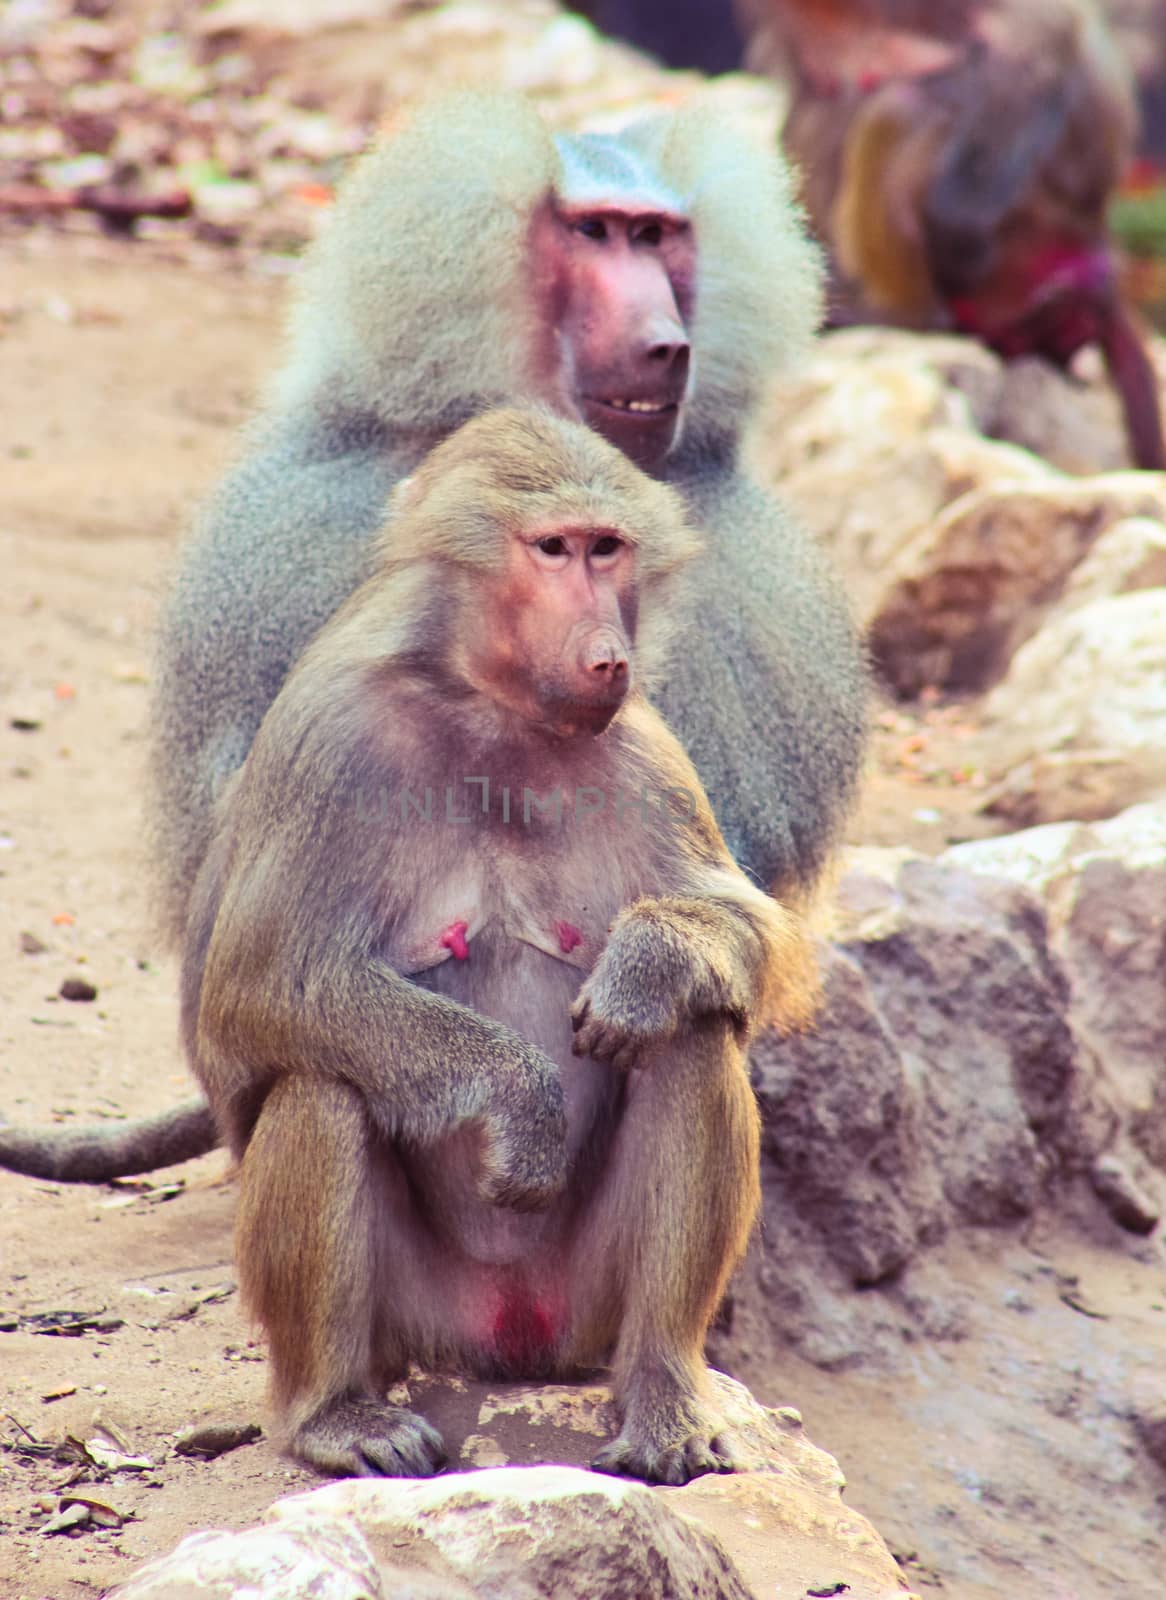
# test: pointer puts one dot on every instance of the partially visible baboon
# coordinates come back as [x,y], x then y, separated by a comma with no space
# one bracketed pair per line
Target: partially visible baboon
[1139,27]
[469,973]
[650,284]
[681,33]
[958,159]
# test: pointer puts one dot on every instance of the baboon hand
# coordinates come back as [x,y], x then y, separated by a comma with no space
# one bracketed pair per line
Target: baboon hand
[614,1023]
[625,1006]
[524,1160]
[662,965]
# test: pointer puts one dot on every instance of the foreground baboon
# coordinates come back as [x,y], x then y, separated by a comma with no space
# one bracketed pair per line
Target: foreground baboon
[959,157]
[649,283]
[460,834]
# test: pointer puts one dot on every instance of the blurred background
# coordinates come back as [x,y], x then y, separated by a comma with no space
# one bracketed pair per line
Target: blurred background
[228,123]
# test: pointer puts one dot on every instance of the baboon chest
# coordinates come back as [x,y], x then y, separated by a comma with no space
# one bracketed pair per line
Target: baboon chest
[493,903]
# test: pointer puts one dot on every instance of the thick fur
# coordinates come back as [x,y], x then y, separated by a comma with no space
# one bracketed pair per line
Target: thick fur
[416,310]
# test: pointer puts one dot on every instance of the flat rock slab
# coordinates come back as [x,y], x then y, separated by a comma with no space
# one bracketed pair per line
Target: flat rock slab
[520,1529]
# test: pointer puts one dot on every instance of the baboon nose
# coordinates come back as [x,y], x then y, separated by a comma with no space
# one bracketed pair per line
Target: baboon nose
[606,662]
[670,351]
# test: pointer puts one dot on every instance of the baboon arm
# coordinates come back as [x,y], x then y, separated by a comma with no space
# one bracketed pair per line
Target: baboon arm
[674,962]
[423,1063]
[121,1150]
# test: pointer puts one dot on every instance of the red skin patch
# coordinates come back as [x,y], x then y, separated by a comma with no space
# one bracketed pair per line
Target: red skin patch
[523,1332]
[569,937]
[454,940]
[1059,299]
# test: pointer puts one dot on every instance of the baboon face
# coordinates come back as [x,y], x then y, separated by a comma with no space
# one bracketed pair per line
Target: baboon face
[625,324]
[616,254]
[551,637]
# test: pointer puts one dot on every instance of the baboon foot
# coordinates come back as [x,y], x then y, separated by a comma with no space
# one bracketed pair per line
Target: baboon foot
[367,1439]
[670,1447]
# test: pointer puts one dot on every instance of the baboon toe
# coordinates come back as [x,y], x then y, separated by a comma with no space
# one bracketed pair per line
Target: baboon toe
[365,1439]
[639,1454]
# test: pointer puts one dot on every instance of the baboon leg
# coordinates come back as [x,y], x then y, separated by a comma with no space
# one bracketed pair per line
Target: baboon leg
[309,1250]
[676,1209]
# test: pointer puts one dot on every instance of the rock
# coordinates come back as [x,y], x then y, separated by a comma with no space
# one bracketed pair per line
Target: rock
[869,442]
[532,1531]
[528,1531]
[1105,888]
[944,1086]
[1072,420]
[980,579]
[840,1130]
[954,547]
[77,989]
[326,1560]
[1129,555]
[1079,724]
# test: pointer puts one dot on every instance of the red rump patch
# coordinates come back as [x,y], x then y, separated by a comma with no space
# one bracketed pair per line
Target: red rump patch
[454,940]
[569,937]
[524,1333]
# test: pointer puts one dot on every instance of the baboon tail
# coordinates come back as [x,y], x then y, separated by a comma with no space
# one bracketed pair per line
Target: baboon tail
[117,1150]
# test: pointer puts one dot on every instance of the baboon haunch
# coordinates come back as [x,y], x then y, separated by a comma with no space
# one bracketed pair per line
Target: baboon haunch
[469,973]
[650,283]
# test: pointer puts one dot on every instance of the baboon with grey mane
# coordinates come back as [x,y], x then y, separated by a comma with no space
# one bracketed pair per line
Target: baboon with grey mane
[649,283]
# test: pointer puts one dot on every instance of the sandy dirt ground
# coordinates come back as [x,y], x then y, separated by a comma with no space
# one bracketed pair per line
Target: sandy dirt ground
[124,374]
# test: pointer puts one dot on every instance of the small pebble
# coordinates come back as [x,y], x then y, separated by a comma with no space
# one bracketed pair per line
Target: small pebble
[77,989]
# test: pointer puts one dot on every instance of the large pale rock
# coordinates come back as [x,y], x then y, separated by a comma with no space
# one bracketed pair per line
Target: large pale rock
[530,1531]
[778,1527]
[551,1532]
[993,1040]
[954,547]
[870,440]
[1077,729]
[1105,889]
[980,580]
[944,1086]
[1129,555]
[329,1560]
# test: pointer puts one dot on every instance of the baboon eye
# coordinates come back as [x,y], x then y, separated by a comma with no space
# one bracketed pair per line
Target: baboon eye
[651,233]
[607,546]
[593,228]
[553,545]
